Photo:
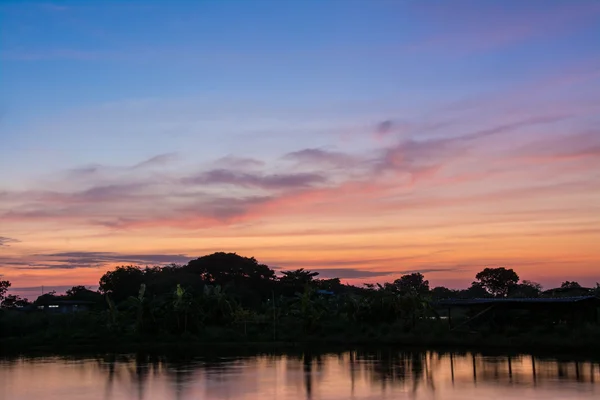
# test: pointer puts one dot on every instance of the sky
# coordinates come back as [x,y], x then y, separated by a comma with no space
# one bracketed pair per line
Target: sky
[362,139]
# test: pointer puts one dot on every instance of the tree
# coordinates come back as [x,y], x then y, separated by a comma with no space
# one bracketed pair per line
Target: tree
[497,281]
[75,290]
[441,292]
[83,294]
[570,285]
[475,291]
[298,277]
[412,283]
[47,298]
[4,285]
[525,289]
[14,301]
[122,283]
[224,268]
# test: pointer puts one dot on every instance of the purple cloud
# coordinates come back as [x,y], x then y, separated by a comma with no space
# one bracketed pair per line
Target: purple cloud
[237,163]
[241,179]
[85,259]
[322,157]
[158,160]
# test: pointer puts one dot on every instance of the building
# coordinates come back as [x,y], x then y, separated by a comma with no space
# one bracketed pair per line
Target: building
[65,306]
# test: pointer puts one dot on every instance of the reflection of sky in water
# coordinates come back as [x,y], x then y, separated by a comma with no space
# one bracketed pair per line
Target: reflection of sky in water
[350,375]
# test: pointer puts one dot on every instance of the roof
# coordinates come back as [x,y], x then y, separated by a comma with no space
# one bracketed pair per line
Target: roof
[527,300]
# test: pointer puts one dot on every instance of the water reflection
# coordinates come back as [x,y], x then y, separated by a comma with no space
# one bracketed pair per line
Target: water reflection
[311,375]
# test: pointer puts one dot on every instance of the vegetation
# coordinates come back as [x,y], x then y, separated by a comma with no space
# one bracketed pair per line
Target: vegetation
[224,297]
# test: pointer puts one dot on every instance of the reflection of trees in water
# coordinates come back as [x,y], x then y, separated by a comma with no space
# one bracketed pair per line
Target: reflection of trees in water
[420,371]
[128,371]
[398,368]
[311,363]
[411,371]
[306,369]
[522,370]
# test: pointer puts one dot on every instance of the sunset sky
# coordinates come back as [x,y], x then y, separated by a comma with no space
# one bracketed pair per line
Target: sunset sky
[363,139]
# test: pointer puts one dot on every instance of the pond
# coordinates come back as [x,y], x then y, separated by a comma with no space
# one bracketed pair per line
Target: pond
[360,374]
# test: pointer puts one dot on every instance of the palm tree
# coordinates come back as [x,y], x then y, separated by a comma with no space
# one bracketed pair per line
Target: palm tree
[139,305]
[181,305]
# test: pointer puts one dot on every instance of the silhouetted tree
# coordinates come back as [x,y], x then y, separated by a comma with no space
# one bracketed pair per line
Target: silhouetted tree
[525,289]
[441,292]
[4,285]
[14,301]
[570,285]
[225,268]
[333,284]
[497,281]
[47,298]
[299,277]
[122,282]
[414,283]
[249,282]
[83,294]
[476,290]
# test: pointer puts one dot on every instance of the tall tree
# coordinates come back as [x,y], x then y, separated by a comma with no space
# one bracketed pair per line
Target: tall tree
[497,281]
[4,285]
[412,283]
[225,268]
[122,282]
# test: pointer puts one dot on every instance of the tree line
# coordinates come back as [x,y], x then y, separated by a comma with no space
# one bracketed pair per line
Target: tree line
[226,296]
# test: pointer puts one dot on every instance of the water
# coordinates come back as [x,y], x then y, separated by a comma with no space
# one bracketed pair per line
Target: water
[328,376]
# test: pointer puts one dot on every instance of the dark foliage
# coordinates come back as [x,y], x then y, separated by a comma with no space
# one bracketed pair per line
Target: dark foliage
[225,297]
[497,281]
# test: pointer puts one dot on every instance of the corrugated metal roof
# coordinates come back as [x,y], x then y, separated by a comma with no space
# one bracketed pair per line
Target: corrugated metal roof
[528,300]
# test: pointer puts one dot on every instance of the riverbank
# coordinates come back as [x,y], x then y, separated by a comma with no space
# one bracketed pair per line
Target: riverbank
[573,343]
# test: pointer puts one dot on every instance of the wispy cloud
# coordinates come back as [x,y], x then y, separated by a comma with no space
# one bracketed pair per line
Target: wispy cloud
[238,163]
[322,158]
[84,259]
[472,27]
[5,241]
[158,160]
[262,181]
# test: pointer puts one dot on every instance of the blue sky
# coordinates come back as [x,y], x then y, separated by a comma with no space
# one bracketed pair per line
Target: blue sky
[279,59]
[218,85]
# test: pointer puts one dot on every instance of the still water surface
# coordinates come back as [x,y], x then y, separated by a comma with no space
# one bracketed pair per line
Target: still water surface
[388,374]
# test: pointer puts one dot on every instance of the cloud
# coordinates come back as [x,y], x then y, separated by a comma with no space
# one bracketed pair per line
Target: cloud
[32,292]
[470,27]
[157,160]
[428,270]
[89,171]
[4,241]
[319,157]
[245,179]
[237,163]
[98,194]
[384,128]
[91,259]
[561,148]
[400,176]
[351,273]
[426,157]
